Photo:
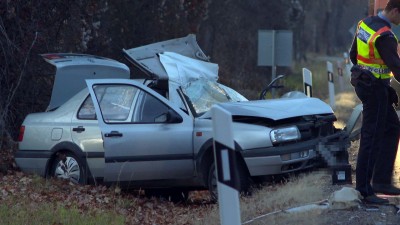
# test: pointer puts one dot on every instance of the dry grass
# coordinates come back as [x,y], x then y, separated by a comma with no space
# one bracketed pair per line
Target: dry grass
[29,212]
[297,191]
[345,103]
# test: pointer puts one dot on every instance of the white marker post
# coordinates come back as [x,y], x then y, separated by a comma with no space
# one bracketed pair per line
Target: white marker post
[307,81]
[340,76]
[347,65]
[225,165]
[331,86]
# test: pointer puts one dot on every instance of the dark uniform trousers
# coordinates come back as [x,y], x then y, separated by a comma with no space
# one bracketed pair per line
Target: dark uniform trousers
[379,132]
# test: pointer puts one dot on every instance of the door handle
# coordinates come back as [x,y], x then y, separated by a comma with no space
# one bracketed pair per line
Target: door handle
[113,134]
[78,129]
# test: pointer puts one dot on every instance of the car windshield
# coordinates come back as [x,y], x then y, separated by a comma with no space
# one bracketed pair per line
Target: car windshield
[203,94]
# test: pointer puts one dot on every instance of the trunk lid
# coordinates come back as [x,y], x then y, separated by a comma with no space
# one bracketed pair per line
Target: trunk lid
[73,69]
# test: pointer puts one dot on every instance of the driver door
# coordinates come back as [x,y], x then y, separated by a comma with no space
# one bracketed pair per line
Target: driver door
[144,137]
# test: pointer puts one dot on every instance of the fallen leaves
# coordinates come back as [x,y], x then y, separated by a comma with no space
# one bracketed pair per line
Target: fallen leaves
[17,188]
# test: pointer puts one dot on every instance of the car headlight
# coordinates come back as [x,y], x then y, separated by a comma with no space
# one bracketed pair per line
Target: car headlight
[284,134]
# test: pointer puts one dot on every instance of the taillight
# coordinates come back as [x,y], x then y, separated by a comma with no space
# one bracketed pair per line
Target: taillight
[21,133]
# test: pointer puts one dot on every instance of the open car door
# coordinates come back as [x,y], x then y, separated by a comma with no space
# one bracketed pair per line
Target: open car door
[145,138]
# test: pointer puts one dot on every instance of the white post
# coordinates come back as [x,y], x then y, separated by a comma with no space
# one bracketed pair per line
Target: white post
[225,165]
[347,65]
[340,76]
[307,81]
[331,86]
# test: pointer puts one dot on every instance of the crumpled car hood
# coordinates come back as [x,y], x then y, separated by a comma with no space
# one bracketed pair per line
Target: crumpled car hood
[276,109]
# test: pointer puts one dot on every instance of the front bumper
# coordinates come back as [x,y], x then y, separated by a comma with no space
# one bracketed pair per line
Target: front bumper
[282,159]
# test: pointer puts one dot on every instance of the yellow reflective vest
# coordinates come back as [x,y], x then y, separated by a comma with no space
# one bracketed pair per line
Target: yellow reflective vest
[368,57]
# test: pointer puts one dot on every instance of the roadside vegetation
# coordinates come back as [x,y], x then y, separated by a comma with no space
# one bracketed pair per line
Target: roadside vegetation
[50,213]
[30,199]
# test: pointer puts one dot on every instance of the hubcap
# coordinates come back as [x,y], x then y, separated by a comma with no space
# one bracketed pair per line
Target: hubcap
[68,169]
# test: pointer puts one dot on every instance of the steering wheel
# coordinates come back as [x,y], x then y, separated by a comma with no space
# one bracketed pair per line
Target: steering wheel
[271,85]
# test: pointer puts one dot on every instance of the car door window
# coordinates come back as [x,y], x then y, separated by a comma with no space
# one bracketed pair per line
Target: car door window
[116,101]
[126,104]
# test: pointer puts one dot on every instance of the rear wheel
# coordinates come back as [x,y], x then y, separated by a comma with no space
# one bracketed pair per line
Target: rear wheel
[69,167]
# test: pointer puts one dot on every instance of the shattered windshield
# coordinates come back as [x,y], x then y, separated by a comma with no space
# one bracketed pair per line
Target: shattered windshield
[203,94]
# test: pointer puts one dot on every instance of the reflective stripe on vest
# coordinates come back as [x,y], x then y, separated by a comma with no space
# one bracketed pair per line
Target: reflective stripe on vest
[367,54]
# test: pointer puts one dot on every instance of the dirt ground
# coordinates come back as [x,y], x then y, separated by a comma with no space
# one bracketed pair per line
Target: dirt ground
[365,214]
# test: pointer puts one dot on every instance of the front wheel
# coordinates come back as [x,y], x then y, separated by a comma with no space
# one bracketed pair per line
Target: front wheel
[69,167]
[245,181]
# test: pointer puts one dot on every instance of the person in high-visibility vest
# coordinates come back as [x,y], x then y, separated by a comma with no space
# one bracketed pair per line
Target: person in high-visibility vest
[374,55]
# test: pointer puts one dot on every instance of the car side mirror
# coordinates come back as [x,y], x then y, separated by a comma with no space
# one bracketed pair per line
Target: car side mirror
[173,117]
[169,117]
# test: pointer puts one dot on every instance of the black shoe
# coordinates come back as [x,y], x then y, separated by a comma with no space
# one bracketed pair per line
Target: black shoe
[386,189]
[373,199]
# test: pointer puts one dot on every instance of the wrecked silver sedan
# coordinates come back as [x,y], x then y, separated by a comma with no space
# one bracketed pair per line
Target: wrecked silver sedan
[157,133]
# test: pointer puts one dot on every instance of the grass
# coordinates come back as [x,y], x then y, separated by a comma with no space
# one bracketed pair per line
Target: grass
[345,103]
[295,192]
[28,212]
[30,199]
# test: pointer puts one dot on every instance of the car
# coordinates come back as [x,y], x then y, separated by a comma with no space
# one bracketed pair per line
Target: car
[156,133]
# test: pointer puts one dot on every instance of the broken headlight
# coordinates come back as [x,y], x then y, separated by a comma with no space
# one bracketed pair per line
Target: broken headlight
[285,134]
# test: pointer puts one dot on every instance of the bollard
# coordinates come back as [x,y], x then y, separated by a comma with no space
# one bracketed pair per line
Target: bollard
[307,81]
[225,164]
[331,85]
[340,76]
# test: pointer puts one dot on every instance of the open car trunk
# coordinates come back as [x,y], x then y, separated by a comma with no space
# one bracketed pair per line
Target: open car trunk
[73,69]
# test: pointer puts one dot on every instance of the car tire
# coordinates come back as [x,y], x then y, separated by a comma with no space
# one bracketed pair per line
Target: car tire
[245,182]
[212,183]
[69,167]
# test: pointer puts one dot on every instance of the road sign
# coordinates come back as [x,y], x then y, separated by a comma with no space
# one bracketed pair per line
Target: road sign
[275,48]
